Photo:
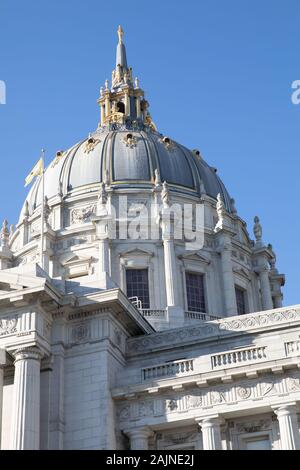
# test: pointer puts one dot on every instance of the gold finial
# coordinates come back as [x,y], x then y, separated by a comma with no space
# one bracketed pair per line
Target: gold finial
[120,34]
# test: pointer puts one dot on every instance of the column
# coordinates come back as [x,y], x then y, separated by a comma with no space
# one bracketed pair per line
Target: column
[288,426]
[228,281]
[138,107]
[25,431]
[2,364]
[278,301]
[139,438]
[107,105]
[127,104]
[102,225]
[266,296]
[102,114]
[175,311]
[211,432]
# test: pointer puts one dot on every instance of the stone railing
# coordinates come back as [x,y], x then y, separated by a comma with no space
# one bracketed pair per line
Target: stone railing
[199,316]
[154,314]
[238,357]
[292,347]
[168,369]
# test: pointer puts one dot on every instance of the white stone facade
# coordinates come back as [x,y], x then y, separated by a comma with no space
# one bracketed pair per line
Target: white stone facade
[84,367]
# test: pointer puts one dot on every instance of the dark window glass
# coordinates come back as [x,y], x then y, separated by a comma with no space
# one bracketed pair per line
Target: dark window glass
[195,292]
[240,300]
[138,286]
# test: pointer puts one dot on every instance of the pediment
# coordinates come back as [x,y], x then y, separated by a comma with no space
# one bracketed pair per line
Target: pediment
[75,259]
[194,256]
[136,252]
[241,272]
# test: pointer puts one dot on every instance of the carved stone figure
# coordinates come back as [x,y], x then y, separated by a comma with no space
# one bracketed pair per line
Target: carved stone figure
[4,234]
[220,212]
[257,230]
[157,179]
[165,195]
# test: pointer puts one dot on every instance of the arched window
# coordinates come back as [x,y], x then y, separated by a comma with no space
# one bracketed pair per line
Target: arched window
[121,107]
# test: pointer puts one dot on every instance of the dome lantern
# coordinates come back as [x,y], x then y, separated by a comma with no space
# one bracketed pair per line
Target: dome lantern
[124,102]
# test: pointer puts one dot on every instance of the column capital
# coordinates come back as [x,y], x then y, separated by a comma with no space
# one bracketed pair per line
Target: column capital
[209,421]
[285,409]
[32,353]
[144,432]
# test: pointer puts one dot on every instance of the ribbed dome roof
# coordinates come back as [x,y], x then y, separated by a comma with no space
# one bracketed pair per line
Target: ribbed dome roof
[110,156]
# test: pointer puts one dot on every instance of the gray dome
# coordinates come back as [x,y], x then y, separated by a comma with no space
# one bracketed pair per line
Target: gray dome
[108,155]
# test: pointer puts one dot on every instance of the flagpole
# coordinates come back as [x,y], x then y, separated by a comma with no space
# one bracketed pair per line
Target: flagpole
[43,211]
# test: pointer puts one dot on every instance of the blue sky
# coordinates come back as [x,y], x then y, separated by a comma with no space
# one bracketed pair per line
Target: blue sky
[217,74]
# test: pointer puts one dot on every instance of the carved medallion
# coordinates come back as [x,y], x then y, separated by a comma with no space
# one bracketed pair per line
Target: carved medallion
[243,392]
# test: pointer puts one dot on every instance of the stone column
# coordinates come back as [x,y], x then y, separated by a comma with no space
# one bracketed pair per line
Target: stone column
[127,104]
[175,312]
[102,224]
[228,280]
[211,432]
[139,438]
[266,296]
[138,107]
[288,426]
[102,114]
[2,364]
[25,430]
[278,301]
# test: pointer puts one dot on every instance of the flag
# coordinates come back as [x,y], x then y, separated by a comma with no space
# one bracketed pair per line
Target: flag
[36,171]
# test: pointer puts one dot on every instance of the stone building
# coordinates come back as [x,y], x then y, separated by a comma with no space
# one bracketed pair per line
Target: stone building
[111,341]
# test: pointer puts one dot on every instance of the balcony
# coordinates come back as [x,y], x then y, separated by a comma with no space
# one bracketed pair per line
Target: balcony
[168,369]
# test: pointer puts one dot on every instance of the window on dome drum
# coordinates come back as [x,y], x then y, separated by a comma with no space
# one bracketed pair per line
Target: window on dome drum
[195,292]
[137,285]
[240,295]
[121,107]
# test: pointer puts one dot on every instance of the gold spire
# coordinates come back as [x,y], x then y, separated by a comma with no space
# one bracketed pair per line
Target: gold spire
[120,34]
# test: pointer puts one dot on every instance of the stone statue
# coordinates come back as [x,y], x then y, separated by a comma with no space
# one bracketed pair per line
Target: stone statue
[26,209]
[220,211]
[4,234]
[257,230]
[102,199]
[233,208]
[120,34]
[157,179]
[273,254]
[47,212]
[165,195]
[11,230]
[202,187]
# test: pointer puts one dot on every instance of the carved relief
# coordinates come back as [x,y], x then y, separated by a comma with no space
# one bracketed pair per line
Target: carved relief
[90,145]
[81,332]
[79,216]
[8,326]
[146,408]
[217,397]
[243,392]
[253,426]
[266,388]
[293,385]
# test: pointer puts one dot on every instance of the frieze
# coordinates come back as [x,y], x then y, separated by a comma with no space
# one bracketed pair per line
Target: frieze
[82,215]
[196,401]
[213,328]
